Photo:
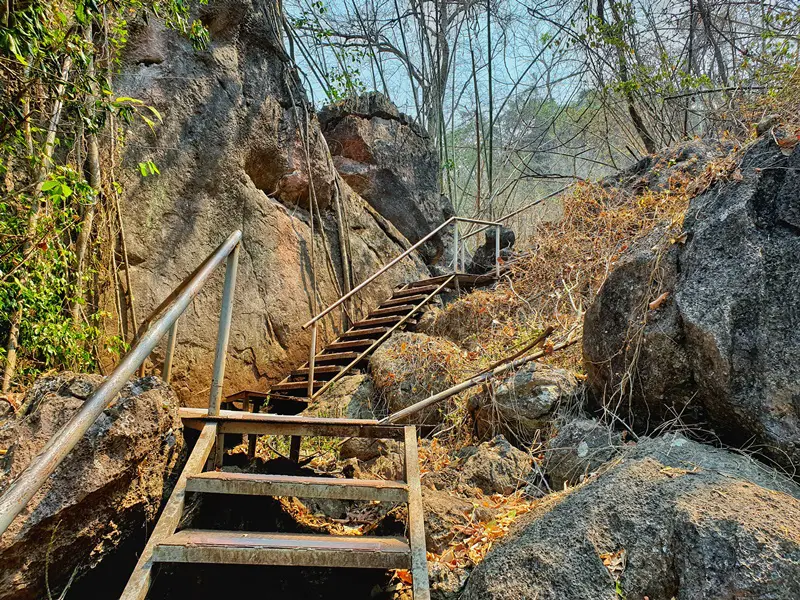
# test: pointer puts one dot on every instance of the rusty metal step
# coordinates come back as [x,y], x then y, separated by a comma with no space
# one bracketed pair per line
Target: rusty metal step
[321,371]
[375,332]
[403,300]
[335,357]
[250,484]
[423,289]
[234,421]
[296,549]
[382,321]
[294,386]
[392,310]
[348,344]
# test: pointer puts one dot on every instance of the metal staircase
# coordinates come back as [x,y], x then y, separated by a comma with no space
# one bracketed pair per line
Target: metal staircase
[168,545]
[202,473]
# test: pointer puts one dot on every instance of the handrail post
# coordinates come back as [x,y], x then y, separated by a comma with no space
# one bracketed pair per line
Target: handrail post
[497,250]
[311,357]
[224,331]
[455,246]
[223,336]
[166,371]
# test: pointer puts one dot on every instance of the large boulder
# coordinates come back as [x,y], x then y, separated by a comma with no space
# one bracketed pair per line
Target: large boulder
[578,449]
[522,404]
[232,155]
[673,520]
[704,329]
[410,367]
[390,161]
[109,488]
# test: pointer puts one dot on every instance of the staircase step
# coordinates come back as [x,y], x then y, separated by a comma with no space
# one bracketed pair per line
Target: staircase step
[250,484]
[325,369]
[375,332]
[424,289]
[403,300]
[291,549]
[292,386]
[382,321]
[392,310]
[234,421]
[335,357]
[348,344]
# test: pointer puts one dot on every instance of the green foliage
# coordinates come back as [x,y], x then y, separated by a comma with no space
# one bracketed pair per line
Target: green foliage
[58,58]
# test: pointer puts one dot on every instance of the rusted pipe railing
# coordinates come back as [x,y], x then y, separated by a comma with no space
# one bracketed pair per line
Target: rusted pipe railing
[17,496]
[478,379]
[393,262]
[514,213]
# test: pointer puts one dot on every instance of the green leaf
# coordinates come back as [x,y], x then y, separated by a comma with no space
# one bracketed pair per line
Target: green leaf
[49,185]
[153,110]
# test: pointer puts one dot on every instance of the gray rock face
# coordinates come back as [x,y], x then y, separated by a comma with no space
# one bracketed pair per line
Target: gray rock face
[578,449]
[109,488]
[722,347]
[388,159]
[231,155]
[674,519]
[522,404]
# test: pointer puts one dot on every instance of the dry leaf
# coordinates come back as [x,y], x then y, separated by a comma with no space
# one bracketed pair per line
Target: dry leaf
[615,562]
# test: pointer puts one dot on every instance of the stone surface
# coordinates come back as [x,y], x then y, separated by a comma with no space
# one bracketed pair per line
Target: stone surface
[522,404]
[493,467]
[721,349]
[352,397]
[410,367]
[231,156]
[674,519]
[109,488]
[578,449]
[390,161]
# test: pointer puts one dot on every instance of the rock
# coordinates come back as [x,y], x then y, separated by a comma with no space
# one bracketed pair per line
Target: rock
[578,449]
[351,397]
[674,519]
[445,514]
[410,367]
[446,582]
[493,467]
[390,161]
[721,349]
[484,260]
[231,156]
[366,449]
[657,172]
[523,403]
[109,488]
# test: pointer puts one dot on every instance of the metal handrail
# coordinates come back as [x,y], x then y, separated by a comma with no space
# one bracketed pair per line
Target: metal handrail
[393,262]
[514,213]
[17,496]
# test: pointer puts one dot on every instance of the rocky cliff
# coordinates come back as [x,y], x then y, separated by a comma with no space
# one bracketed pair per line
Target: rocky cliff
[703,322]
[234,151]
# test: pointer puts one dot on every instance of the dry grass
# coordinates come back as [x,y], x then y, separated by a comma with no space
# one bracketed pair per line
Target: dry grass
[560,268]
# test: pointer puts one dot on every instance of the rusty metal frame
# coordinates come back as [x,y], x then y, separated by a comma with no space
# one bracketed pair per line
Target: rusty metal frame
[379,341]
[20,492]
